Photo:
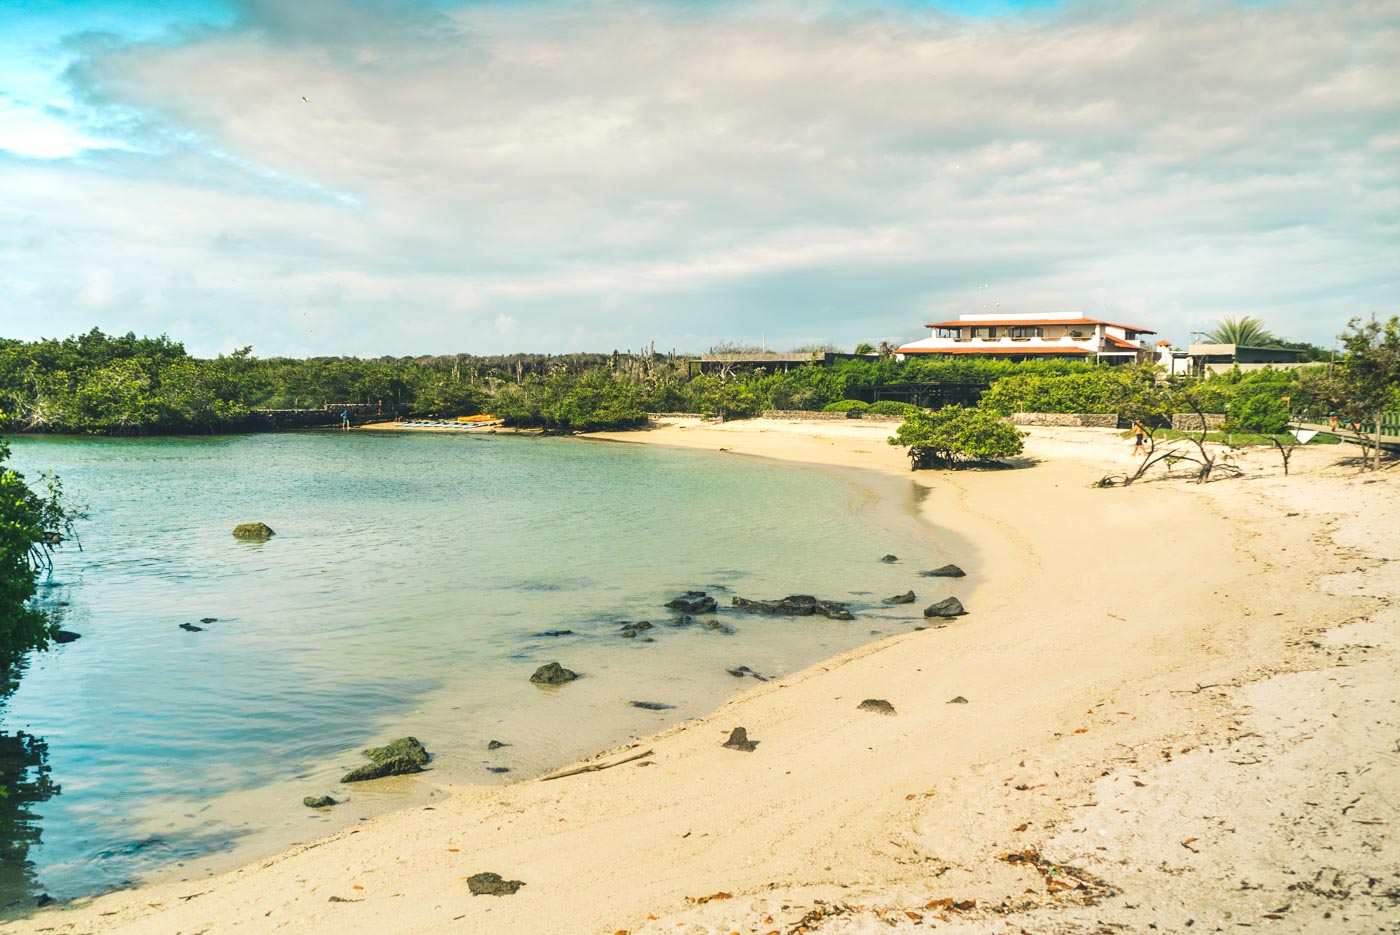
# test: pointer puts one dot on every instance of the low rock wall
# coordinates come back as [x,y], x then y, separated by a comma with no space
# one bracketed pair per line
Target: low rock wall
[1097,420]
[805,415]
[1190,422]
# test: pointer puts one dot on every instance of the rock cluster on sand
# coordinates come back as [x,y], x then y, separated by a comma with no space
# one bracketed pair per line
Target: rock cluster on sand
[948,607]
[739,740]
[491,884]
[552,673]
[796,605]
[405,755]
[876,706]
[944,571]
[253,531]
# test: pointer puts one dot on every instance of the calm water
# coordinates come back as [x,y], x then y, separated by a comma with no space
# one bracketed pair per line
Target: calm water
[402,594]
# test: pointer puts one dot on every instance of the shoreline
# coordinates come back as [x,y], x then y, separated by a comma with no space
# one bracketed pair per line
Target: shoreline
[837,804]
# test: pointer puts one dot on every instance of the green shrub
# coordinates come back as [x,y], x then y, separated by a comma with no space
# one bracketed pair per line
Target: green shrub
[891,407]
[846,405]
[1264,413]
[953,436]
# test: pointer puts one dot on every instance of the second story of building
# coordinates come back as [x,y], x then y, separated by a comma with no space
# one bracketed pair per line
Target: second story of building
[1040,334]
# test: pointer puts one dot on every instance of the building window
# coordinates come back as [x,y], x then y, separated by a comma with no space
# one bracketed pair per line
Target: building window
[985,332]
[1026,331]
[948,332]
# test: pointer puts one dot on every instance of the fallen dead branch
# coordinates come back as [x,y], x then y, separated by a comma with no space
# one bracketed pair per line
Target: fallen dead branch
[597,767]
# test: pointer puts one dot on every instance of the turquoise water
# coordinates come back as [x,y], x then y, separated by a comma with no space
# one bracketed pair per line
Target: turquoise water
[403,594]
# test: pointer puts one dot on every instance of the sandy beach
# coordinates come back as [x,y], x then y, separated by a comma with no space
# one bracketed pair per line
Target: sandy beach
[1179,709]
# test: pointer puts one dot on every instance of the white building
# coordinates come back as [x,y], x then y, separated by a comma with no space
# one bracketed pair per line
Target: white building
[1035,335]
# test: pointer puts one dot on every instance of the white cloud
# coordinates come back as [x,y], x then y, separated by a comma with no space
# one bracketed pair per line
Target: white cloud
[613,173]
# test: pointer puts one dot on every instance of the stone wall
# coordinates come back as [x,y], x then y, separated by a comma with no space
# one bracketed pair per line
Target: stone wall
[804,414]
[1097,420]
[876,417]
[1190,422]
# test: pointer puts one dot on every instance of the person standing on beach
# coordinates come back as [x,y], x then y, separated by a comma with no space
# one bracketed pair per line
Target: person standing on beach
[345,419]
[1139,447]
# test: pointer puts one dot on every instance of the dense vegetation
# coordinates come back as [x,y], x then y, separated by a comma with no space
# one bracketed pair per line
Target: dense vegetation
[954,436]
[32,523]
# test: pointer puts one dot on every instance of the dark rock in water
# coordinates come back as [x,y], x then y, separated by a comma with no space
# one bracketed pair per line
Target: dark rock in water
[319,801]
[398,766]
[498,769]
[718,627]
[403,756]
[651,705]
[795,605]
[491,884]
[693,602]
[684,620]
[552,673]
[253,531]
[496,745]
[906,598]
[889,559]
[876,706]
[958,700]
[191,627]
[948,607]
[66,636]
[556,633]
[745,670]
[208,619]
[739,740]
[405,747]
[630,630]
[628,634]
[946,571]
[44,899]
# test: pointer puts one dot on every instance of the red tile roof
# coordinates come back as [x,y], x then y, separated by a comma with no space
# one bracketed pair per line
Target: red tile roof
[1119,342]
[1011,322]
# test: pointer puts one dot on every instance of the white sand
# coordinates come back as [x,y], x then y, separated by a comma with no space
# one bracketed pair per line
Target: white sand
[1095,615]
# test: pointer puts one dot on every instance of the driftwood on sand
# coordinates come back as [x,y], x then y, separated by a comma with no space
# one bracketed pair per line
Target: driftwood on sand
[595,767]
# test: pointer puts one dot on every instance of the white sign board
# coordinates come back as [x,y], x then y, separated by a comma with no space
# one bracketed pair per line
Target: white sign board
[1304,435]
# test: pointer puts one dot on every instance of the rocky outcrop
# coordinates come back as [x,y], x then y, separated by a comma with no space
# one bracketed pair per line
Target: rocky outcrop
[945,571]
[552,673]
[693,602]
[906,598]
[948,607]
[491,884]
[796,605]
[403,756]
[253,531]
[876,706]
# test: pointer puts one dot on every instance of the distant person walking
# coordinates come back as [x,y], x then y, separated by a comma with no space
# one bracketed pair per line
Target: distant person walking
[345,419]
[1140,445]
[1332,412]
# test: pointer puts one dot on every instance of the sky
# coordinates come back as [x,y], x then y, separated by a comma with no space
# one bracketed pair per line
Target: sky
[399,177]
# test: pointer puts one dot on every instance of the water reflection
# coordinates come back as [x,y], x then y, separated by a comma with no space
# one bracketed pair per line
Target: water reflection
[25,782]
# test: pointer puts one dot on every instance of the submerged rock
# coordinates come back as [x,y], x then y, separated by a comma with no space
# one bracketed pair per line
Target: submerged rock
[948,607]
[253,531]
[630,630]
[191,627]
[889,559]
[651,705]
[66,636]
[795,605]
[742,671]
[906,598]
[876,706]
[491,884]
[944,571]
[693,602]
[496,745]
[739,740]
[552,673]
[208,619]
[556,633]
[498,769]
[718,627]
[319,801]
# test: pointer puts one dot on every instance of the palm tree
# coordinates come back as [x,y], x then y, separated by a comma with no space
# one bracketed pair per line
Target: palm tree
[1243,330]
